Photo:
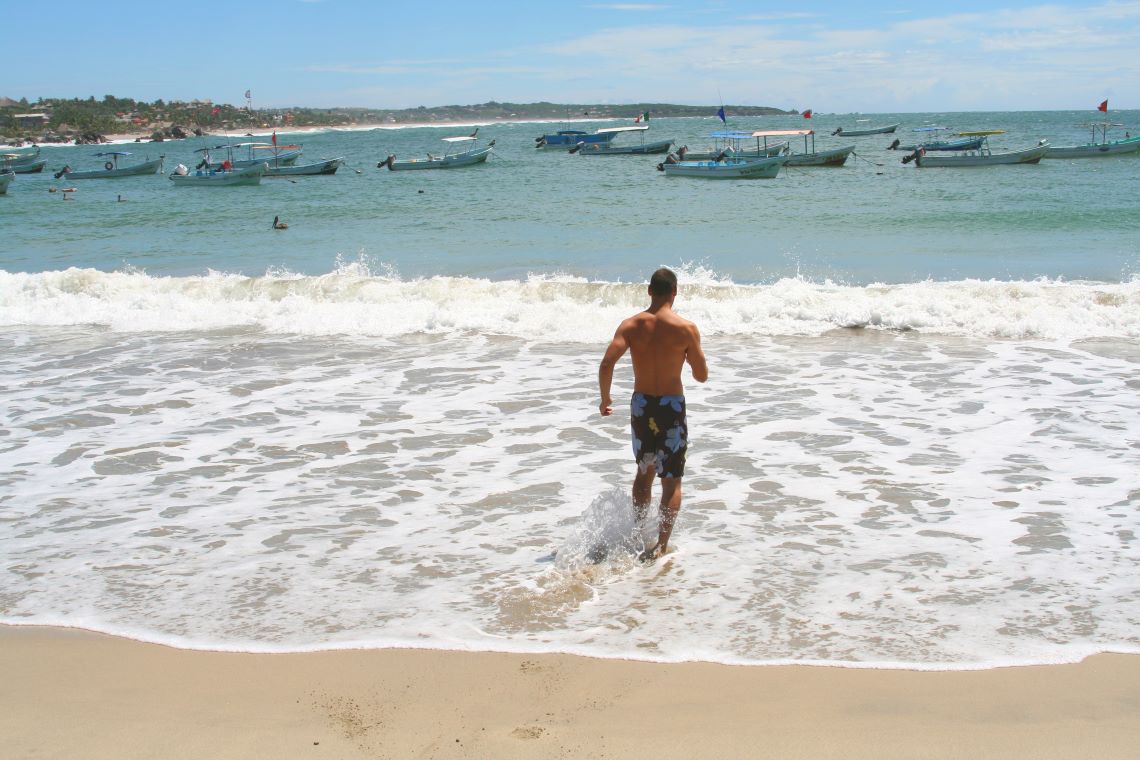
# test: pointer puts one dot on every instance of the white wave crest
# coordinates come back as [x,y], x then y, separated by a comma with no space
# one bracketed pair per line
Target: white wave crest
[354,299]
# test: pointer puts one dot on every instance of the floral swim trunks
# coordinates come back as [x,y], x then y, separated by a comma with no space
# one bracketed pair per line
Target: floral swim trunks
[659,432]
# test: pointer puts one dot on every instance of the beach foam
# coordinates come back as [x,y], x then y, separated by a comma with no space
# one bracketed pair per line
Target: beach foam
[868,498]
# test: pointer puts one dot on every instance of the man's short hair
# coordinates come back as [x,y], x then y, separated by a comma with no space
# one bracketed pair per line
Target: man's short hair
[663,282]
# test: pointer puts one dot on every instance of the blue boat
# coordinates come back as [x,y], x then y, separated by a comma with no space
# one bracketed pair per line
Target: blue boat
[565,139]
[960,143]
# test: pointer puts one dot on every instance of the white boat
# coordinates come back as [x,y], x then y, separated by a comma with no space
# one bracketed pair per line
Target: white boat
[6,178]
[1099,146]
[111,168]
[981,157]
[728,168]
[23,163]
[328,166]
[461,151]
[240,155]
[248,175]
[888,129]
[736,144]
[812,157]
[609,149]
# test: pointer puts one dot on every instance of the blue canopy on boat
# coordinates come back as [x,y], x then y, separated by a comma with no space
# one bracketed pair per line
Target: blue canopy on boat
[114,153]
[733,135]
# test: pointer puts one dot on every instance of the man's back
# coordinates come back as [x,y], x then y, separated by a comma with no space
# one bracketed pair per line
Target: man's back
[658,343]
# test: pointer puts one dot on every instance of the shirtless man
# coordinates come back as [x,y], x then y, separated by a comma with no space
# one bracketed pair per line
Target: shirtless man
[659,342]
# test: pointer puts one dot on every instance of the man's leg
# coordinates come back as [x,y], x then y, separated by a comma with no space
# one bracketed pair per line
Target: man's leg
[642,491]
[670,506]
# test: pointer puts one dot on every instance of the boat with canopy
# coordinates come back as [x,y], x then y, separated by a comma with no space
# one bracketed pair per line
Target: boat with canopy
[111,168]
[1099,146]
[639,149]
[461,151]
[812,157]
[725,168]
[252,153]
[737,144]
[981,157]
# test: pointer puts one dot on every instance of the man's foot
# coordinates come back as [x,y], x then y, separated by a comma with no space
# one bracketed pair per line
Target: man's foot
[648,556]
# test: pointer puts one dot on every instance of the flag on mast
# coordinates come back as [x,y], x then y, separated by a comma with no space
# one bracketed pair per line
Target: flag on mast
[720,114]
[1103,107]
[807,114]
[247,95]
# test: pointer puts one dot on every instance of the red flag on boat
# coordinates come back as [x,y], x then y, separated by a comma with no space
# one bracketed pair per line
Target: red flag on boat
[807,114]
[1103,107]
[275,137]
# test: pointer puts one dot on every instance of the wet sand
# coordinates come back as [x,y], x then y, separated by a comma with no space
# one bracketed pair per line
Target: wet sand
[68,694]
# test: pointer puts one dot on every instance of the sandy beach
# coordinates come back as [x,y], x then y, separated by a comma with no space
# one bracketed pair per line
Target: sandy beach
[69,694]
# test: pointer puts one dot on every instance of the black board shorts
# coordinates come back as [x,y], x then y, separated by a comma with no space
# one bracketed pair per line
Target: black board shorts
[659,433]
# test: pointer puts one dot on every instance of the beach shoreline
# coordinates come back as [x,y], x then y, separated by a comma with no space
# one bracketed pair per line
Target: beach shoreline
[71,693]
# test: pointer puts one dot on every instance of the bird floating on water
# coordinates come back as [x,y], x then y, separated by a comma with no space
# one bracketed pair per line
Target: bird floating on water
[278,224]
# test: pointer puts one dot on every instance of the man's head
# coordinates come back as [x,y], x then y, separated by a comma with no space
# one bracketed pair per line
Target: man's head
[663,283]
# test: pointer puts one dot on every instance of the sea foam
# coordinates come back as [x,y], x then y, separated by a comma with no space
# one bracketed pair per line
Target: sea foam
[351,300]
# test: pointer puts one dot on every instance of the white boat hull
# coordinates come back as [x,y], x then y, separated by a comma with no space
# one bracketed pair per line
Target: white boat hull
[440,162]
[661,146]
[889,129]
[148,167]
[1095,150]
[833,157]
[320,167]
[775,149]
[758,168]
[5,180]
[250,175]
[1028,156]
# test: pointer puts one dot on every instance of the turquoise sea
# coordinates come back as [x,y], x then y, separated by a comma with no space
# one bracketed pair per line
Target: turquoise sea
[918,444]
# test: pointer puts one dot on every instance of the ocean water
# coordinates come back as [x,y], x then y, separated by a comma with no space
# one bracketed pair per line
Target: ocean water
[918,446]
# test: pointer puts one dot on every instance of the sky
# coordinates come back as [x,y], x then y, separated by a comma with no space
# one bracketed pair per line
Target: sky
[882,57]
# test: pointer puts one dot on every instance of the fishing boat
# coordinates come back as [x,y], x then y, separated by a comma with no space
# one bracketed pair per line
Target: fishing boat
[864,132]
[23,163]
[6,178]
[327,166]
[250,154]
[812,157]
[737,144]
[1098,146]
[958,143]
[981,157]
[640,149]
[461,151]
[206,177]
[727,168]
[112,169]
[566,139]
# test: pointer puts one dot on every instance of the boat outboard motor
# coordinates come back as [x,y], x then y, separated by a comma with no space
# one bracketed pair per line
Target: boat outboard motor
[387,161]
[62,172]
[894,145]
[837,131]
[914,156]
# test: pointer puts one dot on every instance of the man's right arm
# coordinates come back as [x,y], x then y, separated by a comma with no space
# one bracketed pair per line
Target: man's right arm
[617,348]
